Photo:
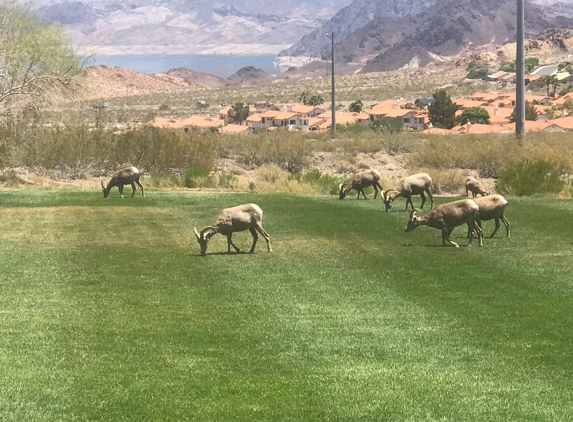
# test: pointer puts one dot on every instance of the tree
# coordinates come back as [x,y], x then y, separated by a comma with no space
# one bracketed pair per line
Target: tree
[387,124]
[474,115]
[238,113]
[315,100]
[530,112]
[550,81]
[356,106]
[551,112]
[568,105]
[507,67]
[530,63]
[35,59]
[303,97]
[442,112]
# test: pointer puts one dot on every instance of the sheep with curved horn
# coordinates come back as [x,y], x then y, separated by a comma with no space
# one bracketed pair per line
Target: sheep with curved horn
[235,219]
[360,181]
[126,176]
[416,184]
[447,216]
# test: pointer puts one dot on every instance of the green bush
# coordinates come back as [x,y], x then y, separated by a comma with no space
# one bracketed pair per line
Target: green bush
[228,181]
[325,182]
[527,177]
[197,177]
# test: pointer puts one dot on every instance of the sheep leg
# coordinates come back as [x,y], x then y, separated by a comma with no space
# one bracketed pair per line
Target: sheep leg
[478,230]
[265,235]
[423,200]
[255,238]
[409,201]
[496,226]
[120,187]
[504,220]
[230,243]
[133,188]
[431,198]
[141,186]
[359,192]
[446,237]
[478,223]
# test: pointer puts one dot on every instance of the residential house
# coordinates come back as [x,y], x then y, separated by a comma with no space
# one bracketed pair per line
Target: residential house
[224,113]
[272,118]
[480,129]
[307,110]
[200,124]
[412,119]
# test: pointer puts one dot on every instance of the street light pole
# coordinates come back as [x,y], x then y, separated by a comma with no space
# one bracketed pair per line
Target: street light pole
[519,76]
[332,71]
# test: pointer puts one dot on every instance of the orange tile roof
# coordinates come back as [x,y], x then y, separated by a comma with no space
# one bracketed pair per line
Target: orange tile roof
[232,128]
[162,122]
[305,109]
[437,131]
[465,103]
[564,122]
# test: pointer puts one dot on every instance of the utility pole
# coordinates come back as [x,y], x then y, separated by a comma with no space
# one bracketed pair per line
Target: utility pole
[519,75]
[333,126]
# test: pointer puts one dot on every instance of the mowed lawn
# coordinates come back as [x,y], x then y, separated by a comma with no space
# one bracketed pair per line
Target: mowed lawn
[109,313]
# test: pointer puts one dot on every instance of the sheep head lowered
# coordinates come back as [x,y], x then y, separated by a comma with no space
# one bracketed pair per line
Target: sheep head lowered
[235,219]
[126,176]
[416,184]
[475,187]
[360,181]
[447,216]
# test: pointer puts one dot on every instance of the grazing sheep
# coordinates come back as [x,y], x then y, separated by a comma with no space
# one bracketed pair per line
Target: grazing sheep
[492,207]
[235,219]
[126,176]
[475,187]
[447,216]
[360,181]
[416,184]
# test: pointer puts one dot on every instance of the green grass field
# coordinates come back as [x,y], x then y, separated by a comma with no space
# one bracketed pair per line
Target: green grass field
[109,313]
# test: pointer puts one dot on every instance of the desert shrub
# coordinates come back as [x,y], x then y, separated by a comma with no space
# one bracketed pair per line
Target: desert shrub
[486,154]
[527,177]
[289,151]
[197,177]
[163,180]
[228,181]
[325,183]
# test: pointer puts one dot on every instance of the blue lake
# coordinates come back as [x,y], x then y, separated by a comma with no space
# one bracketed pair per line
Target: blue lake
[222,65]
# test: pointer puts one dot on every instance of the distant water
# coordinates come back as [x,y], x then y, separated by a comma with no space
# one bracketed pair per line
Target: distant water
[222,65]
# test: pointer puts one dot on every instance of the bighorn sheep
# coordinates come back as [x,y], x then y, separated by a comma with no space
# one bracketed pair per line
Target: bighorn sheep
[416,184]
[492,207]
[447,216]
[360,181]
[475,187]
[126,176]
[235,219]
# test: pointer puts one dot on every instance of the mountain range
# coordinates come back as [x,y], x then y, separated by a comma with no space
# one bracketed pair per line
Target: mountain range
[372,34]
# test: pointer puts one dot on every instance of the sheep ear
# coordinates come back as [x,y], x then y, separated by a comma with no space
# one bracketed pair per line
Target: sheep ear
[340,187]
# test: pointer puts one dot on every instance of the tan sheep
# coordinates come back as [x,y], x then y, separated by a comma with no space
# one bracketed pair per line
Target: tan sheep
[235,219]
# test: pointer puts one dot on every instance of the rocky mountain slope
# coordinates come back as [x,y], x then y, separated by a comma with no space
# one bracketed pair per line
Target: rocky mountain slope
[186,26]
[448,28]
[353,17]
